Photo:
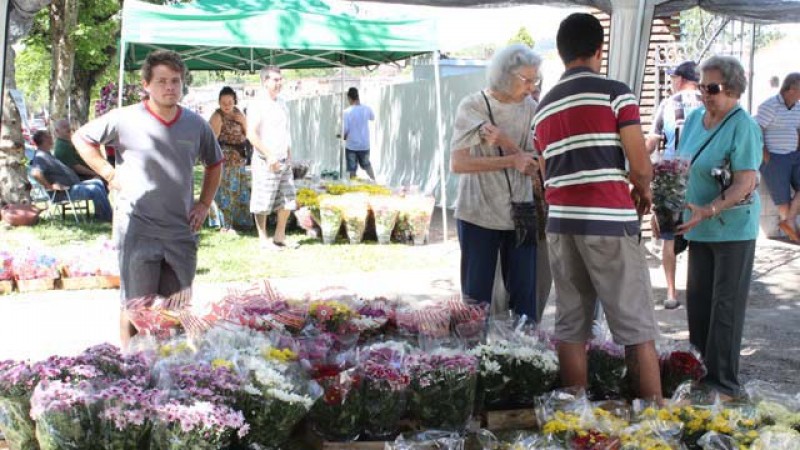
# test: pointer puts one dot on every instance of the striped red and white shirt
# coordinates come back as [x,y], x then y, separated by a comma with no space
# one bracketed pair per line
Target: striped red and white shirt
[576,129]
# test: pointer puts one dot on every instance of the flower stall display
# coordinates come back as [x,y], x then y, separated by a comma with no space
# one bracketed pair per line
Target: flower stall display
[386,383]
[35,269]
[386,210]
[669,192]
[331,215]
[62,414]
[354,212]
[680,363]
[337,415]
[514,371]
[443,385]
[199,425]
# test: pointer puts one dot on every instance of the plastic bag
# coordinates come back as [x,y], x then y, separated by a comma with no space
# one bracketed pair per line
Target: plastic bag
[386,383]
[63,416]
[443,387]
[777,438]
[428,440]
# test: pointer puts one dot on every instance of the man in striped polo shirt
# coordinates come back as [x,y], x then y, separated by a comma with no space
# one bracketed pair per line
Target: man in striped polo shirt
[586,128]
[779,118]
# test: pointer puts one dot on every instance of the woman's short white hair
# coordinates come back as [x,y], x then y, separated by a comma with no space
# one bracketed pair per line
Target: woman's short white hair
[733,77]
[506,62]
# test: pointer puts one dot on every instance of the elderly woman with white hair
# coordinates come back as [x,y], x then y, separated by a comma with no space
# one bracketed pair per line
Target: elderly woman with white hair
[724,145]
[493,153]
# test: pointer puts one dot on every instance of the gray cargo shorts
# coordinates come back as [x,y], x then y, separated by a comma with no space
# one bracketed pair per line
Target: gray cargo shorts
[151,266]
[612,269]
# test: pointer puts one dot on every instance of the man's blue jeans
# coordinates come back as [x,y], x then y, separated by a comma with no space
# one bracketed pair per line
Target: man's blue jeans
[95,191]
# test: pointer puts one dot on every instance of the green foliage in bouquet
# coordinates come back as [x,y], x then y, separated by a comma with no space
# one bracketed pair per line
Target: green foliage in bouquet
[63,416]
[337,416]
[443,390]
[16,424]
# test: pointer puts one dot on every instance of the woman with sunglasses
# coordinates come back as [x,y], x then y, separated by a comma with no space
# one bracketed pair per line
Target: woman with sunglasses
[721,230]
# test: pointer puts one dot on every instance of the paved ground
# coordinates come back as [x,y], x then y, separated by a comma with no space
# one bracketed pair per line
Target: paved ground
[63,322]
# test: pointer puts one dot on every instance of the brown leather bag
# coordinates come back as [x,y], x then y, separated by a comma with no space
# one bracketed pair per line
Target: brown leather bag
[20,214]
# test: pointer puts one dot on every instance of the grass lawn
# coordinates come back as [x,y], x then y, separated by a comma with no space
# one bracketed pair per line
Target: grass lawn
[226,257]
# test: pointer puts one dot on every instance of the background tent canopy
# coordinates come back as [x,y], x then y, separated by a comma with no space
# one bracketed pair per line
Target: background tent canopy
[247,34]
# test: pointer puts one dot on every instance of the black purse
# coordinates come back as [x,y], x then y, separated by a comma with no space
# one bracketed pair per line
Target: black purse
[681,244]
[523,214]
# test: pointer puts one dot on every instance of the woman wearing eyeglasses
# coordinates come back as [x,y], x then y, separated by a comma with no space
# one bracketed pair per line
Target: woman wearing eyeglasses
[493,154]
[720,224]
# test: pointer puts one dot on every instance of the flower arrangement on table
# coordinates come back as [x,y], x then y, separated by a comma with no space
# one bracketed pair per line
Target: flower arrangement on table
[514,372]
[443,385]
[386,382]
[669,192]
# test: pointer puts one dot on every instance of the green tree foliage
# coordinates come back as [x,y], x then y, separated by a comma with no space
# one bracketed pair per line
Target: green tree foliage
[522,37]
[33,76]
[699,27]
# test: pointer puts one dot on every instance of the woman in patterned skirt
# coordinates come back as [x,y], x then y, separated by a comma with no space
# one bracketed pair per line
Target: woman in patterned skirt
[233,195]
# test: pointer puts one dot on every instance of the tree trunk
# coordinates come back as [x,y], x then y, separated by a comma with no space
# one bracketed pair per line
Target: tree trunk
[82,85]
[63,19]
[14,186]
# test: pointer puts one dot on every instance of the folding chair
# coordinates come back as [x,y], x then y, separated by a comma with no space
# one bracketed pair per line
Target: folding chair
[40,195]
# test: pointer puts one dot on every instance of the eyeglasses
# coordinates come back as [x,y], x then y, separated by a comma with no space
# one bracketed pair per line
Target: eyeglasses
[710,88]
[528,80]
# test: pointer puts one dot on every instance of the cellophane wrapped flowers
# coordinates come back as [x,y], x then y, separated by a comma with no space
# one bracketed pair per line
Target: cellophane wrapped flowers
[124,415]
[354,211]
[385,208]
[17,381]
[330,212]
[515,371]
[337,415]
[275,397]
[63,415]
[679,363]
[6,266]
[443,385]
[669,192]
[200,425]
[386,381]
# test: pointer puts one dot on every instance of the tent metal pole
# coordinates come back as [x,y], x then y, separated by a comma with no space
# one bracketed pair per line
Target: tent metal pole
[121,83]
[754,32]
[342,142]
[442,178]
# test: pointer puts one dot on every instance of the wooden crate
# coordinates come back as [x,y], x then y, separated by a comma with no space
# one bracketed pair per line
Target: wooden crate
[358,445]
[510,419]
[39,284]
[95,282]
[6,287]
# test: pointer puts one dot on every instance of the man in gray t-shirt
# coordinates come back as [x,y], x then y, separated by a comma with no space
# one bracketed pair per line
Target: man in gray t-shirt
[157,144]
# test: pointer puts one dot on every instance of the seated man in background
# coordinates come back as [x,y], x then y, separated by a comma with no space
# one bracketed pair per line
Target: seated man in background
[66,153]
[56,176]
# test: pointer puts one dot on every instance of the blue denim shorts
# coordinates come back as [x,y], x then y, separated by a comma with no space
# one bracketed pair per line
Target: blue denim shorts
[357,158]
[782,175]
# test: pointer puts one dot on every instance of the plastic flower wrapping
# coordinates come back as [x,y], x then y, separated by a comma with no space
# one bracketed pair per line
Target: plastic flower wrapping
[103,260]
[416,212]
[331,215]
[6,266]
[679,362]
[669,192]
[62,414]
[163,317]
[386,381]
[607,369]
[35,263]
[514,370]
[124,415]
[17,382]
[443,386]
[354,212]
[572,420]
[337,415]
[386,210]
[468,320]
[197,425]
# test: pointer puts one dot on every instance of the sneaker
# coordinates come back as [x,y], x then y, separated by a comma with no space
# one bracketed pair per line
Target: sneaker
[671,303]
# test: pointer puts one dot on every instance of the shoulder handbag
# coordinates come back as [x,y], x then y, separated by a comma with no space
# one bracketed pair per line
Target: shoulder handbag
[523,214]
[680,242]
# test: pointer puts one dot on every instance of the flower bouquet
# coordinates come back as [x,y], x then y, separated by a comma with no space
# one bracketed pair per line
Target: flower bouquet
[6,266]
[584,428]
[337,416]
[62,414]
[17,381]
[739,423]
[354,211]
[679,364]
[162,317]
[468,320]
[385,209]
[418,211]
[199,426]
[213,381]
[305,220]
[330,213]
[607,370]
[669,192]
[124,416]
[443,388]
[514,372]
[385,383]
[274,399]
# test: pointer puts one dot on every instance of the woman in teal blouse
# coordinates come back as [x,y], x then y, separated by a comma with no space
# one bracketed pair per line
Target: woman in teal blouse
[720,229]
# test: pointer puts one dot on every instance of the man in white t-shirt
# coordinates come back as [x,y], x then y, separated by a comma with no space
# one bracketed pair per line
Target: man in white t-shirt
[356,134]
[273,181]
